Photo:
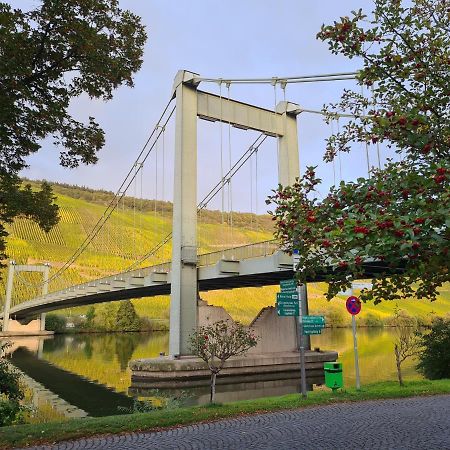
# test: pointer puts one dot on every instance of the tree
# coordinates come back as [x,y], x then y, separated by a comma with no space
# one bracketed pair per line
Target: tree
[396,220]
[90,316]
[434,359]
[10,390]
[216,343]
[16,200]
[127,319]
[55,322]
[49,56]
[106,316]
[407,341]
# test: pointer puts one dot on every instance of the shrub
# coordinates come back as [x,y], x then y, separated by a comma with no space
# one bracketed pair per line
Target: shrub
[55,322]
[148,324]
[335,318]
[10,390]
[403,316]
[434,359]
[426,321]
[373,320]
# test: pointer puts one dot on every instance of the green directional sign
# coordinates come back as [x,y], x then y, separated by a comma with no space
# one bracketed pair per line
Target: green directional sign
[287,304]
[319,320]
[287,300]
[313,324]
[307,332]
[288,310]
[288,285]
[287,297]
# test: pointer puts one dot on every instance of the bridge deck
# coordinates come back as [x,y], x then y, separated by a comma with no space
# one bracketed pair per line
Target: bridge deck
[253,265]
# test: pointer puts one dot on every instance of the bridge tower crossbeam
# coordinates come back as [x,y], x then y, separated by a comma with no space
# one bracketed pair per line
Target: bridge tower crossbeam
[190,104]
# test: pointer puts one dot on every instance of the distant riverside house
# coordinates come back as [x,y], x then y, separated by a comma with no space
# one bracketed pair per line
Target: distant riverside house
[70,325]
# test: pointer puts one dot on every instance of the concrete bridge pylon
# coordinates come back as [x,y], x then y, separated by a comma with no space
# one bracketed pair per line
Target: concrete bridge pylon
[190,104]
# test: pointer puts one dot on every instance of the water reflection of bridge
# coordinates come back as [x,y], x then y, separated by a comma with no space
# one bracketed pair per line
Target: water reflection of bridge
[93,398]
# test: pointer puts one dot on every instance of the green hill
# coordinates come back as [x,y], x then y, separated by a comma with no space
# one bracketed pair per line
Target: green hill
[134,228]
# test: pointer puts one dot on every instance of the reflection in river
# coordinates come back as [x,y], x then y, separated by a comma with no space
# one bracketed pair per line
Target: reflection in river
[102,360]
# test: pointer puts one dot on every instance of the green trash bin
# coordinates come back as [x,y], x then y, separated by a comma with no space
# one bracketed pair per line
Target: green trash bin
[333,375]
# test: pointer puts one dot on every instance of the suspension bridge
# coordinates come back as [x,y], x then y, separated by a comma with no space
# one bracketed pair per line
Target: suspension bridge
[186,272]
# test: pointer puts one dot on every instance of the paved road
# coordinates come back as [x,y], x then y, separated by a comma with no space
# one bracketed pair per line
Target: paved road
[414,423]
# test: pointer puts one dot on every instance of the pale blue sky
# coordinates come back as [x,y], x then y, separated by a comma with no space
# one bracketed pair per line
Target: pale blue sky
[246,38]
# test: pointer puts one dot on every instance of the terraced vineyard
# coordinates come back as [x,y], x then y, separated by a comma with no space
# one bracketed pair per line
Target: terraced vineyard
[127,237]
[130,233]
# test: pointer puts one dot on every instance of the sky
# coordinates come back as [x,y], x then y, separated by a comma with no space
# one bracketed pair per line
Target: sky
[227,39]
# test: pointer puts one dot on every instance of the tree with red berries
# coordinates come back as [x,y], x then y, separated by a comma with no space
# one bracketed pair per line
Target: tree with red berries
[218,342]
[394,224]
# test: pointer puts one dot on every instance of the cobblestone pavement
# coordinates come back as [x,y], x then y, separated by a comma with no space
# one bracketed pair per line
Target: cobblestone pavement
[414,423]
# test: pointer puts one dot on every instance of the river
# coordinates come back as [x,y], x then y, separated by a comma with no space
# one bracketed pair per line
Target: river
[90,371]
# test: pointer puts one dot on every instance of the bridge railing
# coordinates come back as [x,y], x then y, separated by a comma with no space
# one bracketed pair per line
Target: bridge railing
[247,251]
[259,249]
[264,248]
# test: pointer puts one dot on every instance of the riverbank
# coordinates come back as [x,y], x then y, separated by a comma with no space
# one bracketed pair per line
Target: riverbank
[21,435]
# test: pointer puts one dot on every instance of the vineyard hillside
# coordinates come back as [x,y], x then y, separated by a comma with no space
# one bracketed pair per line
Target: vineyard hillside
[134,228]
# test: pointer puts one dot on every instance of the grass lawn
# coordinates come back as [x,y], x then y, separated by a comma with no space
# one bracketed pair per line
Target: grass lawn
[21,435]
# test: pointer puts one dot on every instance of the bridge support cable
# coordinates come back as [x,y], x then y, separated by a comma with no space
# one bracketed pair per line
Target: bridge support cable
[230,185]
[377,143]
[366,143]
[251,192]
[155,211]
[334,159]
[143,155]
[218,187]
[126,183]
[286,80]
[339,151]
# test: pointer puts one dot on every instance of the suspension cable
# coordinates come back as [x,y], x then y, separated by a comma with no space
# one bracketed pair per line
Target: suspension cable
[271,80]
[339,152]
[230,186]
[378,144]
[120,192]
[251,192]
[334,162]
[365,132]
[254,147]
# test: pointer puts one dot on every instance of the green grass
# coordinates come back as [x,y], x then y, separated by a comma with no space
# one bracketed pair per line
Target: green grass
[57,431]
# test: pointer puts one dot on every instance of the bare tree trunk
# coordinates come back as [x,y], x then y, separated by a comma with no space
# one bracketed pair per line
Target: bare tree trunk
[213,387]
[399,368]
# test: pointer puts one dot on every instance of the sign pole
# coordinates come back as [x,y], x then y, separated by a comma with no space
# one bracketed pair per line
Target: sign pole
[303,299]
[301,291]
[353,305]
[355,349]
[302,344]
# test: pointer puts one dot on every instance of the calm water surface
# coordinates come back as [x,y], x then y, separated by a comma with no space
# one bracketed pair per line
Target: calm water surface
[91,371]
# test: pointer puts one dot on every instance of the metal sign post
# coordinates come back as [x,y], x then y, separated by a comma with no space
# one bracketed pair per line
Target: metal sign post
[355,349]
[353,306]
[301,292]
